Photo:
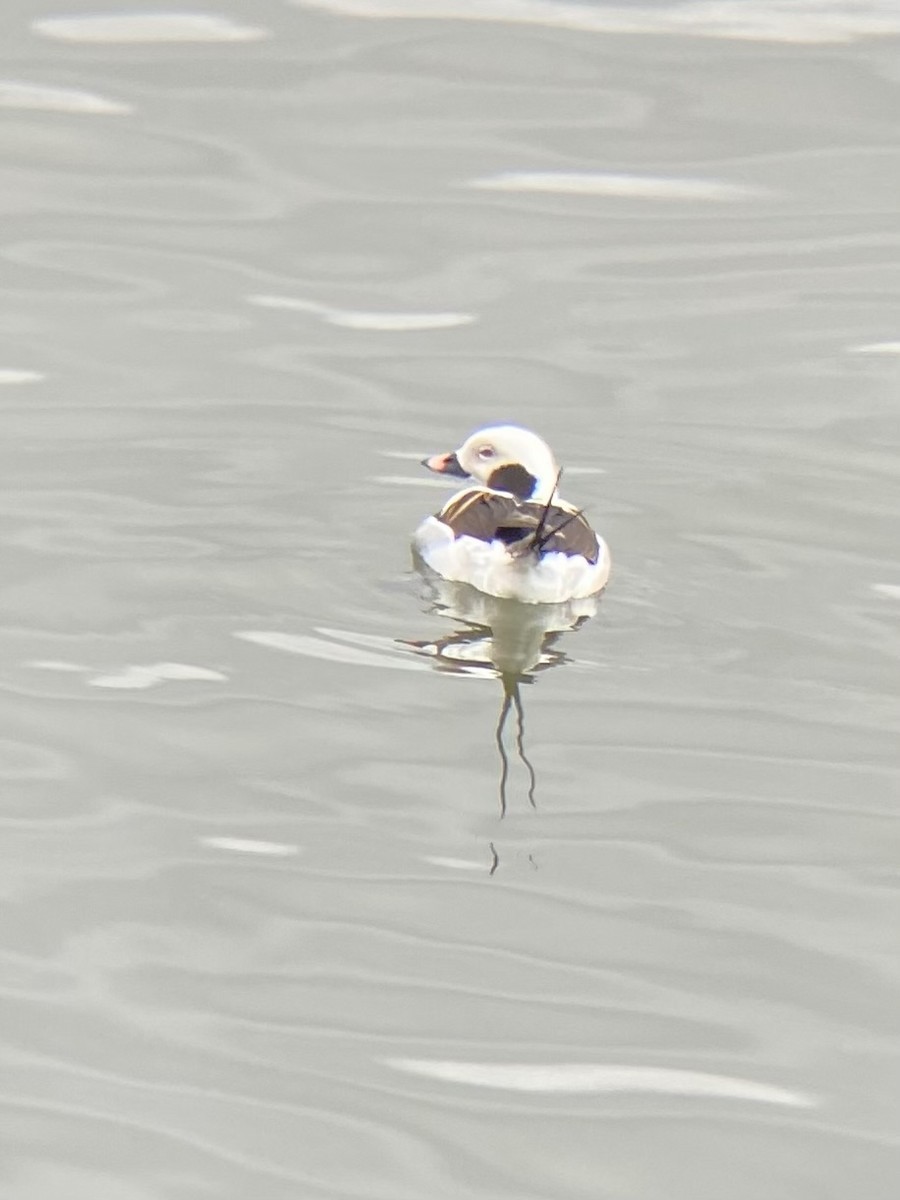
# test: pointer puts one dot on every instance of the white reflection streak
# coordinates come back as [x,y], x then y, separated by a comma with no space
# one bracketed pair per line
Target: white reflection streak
[453,864]
[147,27]
[410,481]
[582,1078]
[877,348]
[11,375]
[311,647]
[601,183]
[138,677]
[250,846]
[372,641]
[55,664]
[51,99]
[384,322]
[763,21]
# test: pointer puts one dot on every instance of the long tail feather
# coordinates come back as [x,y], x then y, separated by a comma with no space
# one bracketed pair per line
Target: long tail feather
[540,544]
[546,513]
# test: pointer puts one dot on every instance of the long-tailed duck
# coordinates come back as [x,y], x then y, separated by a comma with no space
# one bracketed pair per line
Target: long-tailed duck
[511,536]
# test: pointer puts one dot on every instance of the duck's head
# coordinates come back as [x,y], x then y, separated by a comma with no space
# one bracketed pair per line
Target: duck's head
[505,458]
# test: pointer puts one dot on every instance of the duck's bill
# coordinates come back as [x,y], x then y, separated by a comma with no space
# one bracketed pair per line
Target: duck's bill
[445,464]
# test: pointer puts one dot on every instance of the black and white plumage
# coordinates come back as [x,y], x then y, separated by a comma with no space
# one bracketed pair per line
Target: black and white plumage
[512,535]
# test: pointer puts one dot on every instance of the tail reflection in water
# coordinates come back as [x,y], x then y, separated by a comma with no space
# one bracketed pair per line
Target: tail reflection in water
[507,640]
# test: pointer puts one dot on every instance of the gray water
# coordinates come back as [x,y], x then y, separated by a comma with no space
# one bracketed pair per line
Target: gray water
[263,931]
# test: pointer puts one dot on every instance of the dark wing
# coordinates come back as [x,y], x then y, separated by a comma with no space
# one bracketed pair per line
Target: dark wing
[575,534]
[490,516]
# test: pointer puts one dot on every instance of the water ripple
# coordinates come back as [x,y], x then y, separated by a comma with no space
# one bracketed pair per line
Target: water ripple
[764,20]
[313,647]
[250,846]
[139,677]
[55,99]
[12,375]
[596,1077]
[383,322]
[602,183]
[125,28]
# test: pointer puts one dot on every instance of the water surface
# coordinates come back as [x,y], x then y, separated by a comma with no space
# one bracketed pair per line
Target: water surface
[256,262]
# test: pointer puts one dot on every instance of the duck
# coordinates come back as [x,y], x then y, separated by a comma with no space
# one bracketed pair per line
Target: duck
[510,534]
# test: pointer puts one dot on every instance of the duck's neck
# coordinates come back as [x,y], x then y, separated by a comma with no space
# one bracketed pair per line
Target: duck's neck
[547,474]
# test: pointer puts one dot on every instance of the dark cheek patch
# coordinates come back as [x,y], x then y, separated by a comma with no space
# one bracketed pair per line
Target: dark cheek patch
[513,478]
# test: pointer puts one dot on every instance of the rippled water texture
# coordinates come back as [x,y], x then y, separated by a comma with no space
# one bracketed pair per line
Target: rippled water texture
[264,933]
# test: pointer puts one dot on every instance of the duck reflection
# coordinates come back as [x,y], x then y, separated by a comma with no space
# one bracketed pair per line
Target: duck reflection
[504,639]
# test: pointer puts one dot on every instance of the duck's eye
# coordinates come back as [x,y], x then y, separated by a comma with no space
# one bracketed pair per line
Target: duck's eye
[486,452]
